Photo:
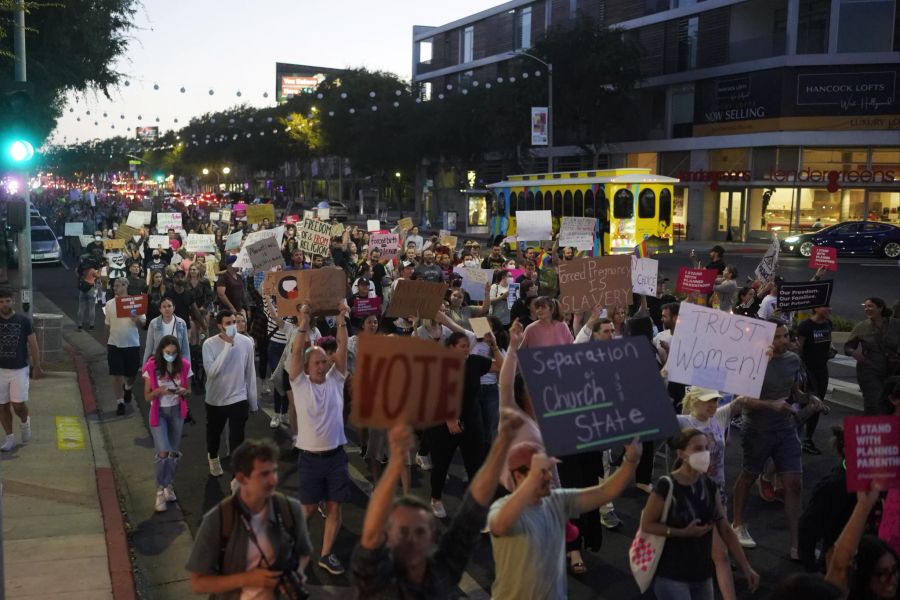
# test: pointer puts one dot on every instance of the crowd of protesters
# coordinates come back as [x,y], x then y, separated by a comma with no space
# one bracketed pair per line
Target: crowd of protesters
[212,326]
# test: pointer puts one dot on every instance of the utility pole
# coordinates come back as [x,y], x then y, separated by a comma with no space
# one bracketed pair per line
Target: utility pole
[25,235]
[549,66]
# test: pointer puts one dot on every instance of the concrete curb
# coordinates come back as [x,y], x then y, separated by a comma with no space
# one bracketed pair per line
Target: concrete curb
[121,573]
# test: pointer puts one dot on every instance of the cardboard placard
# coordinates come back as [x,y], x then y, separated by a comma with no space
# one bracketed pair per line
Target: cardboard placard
[480,326]
[804,295]
[158,241]
[644,273]
[767,267]
[696,280]
[513,294]
[405,224]
[416,299]
[597,395]
[226,215]
[291,219]
[534,225]
[823,256]
[474,280]
[315,237]
[85,240]
[116,244]
[74,229]
[405,380]
[264,254]
[200,242]
[586,282]
[139,218]
[387,243]
[577,232]
[214,217]
[124,232]
[323,214]
[448,240]
[872,451]
[130,306]
[363,307]
[233,241]
[718,350]
[257,212]
[309,214]
[323,290]
[167,221]
[373,225]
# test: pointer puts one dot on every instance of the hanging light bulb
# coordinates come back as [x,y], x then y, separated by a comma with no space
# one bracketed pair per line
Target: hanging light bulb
[155,86]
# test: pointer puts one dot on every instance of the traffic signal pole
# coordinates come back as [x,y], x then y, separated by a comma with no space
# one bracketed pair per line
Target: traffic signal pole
[25,279]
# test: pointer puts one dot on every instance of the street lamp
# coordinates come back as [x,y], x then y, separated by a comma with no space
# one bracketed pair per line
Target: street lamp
[225,171]
[206,172]
[549,104]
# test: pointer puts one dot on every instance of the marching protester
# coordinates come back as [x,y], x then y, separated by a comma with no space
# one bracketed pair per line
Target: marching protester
[19,342]
[875,344]
[166,324]
[123,346]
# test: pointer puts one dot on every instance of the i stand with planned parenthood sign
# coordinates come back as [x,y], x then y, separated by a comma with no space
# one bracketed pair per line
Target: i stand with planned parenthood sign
[597,395]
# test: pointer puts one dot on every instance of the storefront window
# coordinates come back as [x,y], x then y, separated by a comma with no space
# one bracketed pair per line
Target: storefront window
[834,159]
[679,211]
[804,209]
[477,211]
[885,206]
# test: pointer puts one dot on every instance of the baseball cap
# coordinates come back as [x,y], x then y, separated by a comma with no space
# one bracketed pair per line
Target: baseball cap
[363,281]
[702,394]
[520,455]
[231,259]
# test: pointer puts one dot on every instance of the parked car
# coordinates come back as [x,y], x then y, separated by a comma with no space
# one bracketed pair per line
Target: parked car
[852,238]
[44,245]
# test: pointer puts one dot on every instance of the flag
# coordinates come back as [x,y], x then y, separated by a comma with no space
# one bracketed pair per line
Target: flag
[641,250]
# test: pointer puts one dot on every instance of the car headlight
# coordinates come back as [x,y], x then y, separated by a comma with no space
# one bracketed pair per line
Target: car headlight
[792,240]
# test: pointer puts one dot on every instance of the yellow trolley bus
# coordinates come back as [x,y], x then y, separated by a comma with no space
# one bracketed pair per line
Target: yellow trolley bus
[630,205]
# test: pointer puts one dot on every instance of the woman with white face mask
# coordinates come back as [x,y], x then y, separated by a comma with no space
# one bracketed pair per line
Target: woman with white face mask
[686,567]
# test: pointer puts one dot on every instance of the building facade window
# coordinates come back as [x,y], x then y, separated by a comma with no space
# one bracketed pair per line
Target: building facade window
[812,26]
[757,30]
[866,25]
[425,51]
[681,109]
[467,44]
[688,30]
[523,29]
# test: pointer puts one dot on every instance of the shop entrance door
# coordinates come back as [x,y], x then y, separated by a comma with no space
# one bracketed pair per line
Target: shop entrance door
[732,215]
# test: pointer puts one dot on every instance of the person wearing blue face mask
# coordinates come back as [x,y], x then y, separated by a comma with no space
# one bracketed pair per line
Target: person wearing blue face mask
[230,386]
[166,376]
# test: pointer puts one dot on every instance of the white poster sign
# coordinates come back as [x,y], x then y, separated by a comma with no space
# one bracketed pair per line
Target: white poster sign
[474,280]
[167,221]
[233,241]
[139,218]
[715,349]
[226,215]
[264,254]
[540,121]
[323,213]
[214,217]
[85,240]
[373,225]
[577,232]
[201,242]
[158,241]
[643,275]
[533,225]
[74,229]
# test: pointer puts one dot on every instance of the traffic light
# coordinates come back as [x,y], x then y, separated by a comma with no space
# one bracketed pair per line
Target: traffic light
[17,152]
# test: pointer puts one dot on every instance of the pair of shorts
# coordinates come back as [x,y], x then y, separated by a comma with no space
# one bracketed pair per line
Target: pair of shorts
[783,447]
[324,478]
[123,362]
[14,385]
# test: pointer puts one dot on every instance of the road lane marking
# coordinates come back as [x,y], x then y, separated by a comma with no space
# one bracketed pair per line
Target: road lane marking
[69,433]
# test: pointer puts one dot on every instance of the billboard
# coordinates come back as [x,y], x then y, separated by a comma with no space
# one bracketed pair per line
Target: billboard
[147,134]
[293,80]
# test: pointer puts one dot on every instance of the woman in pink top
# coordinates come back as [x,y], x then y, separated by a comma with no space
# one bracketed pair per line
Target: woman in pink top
[550,329]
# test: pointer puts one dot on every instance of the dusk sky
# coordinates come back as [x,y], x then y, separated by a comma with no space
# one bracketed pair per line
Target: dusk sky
[230,46]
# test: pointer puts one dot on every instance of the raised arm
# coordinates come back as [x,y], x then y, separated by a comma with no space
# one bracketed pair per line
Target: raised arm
[507,377]
[300,340]
[845,546]
[340,355]
[401,440]
[526,494]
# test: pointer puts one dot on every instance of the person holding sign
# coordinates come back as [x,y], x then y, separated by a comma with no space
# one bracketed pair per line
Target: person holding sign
[318,388]
[399,554]
[123,346]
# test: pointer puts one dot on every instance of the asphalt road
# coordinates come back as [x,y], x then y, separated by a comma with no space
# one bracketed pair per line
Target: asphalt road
[608,576]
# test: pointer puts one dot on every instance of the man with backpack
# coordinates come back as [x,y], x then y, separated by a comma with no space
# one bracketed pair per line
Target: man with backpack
[253,542]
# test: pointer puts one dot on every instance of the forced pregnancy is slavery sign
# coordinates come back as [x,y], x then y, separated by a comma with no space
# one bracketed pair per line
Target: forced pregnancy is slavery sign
[715,349]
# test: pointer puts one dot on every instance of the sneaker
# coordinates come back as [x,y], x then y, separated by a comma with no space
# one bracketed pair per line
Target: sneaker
[766,490]
[438,507]
[275,423]
[126,394]
[810,447]
[331,564]
[424,462]
[215,467]
[120,408]
[9,444]
[322,510]
[610,520]
[26,430]
[169,493]
[644,487]
[743,536]
[160,505]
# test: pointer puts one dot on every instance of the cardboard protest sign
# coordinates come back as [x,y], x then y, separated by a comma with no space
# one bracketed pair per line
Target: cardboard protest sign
[158,241]
[139,218]
[474,280]
[264,254]
[696,280]
[823,256]
[586,282]
[323,290]
[363,307]
[309,214]
[872,451]
[448,240]
[291,219]
[74,229]
[480,326]
[597,395]
[200,242]
[225,215]
[644,272]
[257,212]
[715,349]
[233,241]
[387,243]
[416,299]
[405,380]
[765,271]
[315,237]
[534,225]
[131,306]
[85,240]
[167,221]
[116,244]
[577,232]
[124,232]
[405,224]
[513,294]
[803,295]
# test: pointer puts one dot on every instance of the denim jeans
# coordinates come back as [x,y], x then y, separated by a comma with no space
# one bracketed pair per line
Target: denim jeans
[489,398]
[670,589]
[167,438]
[86,308]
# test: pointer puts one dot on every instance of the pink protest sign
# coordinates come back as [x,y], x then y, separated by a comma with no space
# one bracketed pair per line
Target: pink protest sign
[823,256]
[872,451]
[696,280]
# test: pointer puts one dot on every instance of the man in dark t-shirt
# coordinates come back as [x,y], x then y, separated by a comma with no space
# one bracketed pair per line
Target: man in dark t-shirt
[814,343]
[183,299]
[17,341]
[230,287]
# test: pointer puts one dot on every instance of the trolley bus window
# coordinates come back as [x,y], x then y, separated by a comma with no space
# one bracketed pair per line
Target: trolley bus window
[567,204]
[665,206]
[589,204]
[557,204]
[530,201]
[579,204]
[538,201]
[512,204]
[647,204]
[623,205]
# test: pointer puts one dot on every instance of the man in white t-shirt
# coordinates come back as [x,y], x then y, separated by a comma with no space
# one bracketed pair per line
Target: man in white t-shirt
[318,388]
[123,346]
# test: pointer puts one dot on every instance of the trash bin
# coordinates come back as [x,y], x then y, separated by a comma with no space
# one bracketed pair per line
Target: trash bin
[48,330]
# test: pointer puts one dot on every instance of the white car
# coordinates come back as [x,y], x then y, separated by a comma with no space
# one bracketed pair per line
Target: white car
[44,245]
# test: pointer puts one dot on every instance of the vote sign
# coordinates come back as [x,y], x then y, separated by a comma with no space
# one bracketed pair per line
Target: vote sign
[597,395]
[872,451]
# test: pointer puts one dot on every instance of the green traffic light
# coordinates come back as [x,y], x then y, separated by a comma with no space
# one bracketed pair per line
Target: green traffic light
[21,151]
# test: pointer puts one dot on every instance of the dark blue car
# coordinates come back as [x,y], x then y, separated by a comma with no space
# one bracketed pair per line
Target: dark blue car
[853,238]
